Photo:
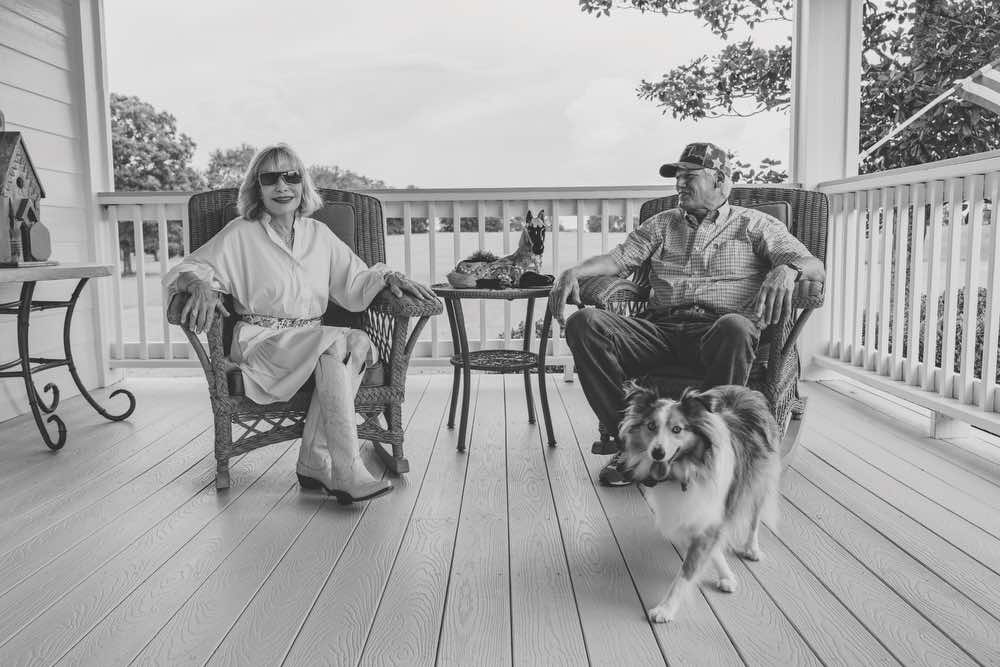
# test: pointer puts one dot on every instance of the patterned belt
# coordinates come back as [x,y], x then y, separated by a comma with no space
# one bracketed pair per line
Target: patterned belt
[280,322]
[692,309]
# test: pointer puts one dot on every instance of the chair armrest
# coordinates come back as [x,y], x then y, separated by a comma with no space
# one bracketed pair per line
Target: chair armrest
[213,362]
[601,291]
[809,294]
[404,306]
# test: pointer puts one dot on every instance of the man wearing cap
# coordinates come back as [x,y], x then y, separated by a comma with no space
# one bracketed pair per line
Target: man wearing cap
[720,274]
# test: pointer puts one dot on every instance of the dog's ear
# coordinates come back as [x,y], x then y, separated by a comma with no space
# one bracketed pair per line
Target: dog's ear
[638,395]
[710,400]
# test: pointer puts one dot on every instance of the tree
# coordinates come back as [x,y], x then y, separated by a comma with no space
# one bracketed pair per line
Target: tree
[226,167]
[913,50]
[332,176]
[149,152]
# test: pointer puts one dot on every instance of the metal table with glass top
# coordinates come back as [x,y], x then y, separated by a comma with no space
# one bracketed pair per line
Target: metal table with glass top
[28,365]
[523,361]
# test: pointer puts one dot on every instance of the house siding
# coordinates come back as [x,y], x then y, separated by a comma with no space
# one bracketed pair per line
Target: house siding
[44,79]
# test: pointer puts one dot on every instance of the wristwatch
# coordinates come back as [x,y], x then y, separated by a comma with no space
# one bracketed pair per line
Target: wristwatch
[797,269]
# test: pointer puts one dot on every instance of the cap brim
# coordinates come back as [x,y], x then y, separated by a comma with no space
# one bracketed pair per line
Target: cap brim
[669,170]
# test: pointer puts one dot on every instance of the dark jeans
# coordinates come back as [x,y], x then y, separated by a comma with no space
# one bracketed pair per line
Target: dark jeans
[609,349]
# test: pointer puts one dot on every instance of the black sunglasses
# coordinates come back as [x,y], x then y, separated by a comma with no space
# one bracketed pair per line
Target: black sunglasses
[291,177]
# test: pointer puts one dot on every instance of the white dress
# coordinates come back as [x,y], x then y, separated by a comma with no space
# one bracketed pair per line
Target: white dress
[248,260]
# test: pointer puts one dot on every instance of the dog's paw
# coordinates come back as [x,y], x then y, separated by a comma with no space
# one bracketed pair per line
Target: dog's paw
[727,584]
[751,553]
[661,614]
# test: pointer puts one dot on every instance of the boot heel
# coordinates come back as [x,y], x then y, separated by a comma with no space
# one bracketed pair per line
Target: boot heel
[308,482]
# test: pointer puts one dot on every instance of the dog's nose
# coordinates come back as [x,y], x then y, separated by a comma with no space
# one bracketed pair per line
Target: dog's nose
[659,454]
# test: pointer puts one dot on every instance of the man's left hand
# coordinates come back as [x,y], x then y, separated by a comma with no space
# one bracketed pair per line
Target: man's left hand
[774,300]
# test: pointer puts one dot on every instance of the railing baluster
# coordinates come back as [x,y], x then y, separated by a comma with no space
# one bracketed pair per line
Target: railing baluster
[935,240]
[555,332]
[408,238]
[140,282]
[505,214]
[955,191]
[967,365]
[432,275]
[871,295]
[161,230]
[858,214]
[835,273]
[885,284]
[900,282]
[991,319]
[917,283]
[481,233]
[116,284]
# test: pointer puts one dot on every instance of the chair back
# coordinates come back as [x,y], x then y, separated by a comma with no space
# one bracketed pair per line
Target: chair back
[355,218]
[804,212]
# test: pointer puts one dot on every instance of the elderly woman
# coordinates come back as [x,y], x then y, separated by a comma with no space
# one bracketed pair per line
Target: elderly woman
[282,268]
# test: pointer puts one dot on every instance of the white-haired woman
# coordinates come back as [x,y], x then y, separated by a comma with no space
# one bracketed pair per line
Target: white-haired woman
[282,269]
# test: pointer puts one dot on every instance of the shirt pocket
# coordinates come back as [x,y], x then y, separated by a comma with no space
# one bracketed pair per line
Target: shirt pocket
[735,257]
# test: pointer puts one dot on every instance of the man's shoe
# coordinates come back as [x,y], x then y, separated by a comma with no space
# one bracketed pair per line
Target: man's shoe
[606,446]
[614,473]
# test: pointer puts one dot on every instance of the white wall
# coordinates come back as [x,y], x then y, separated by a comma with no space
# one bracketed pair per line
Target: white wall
[52,90]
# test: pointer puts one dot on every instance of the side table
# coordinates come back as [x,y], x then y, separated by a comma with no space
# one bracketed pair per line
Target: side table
[23,307]
[497,360]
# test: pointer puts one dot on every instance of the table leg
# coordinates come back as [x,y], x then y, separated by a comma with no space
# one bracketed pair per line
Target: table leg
[463,342]
[528,326]
[72,365]
[456,371]
[542,390]
[34,400]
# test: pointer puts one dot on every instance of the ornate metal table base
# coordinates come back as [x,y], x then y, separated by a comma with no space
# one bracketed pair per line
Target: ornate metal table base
[503,361]
[30,365]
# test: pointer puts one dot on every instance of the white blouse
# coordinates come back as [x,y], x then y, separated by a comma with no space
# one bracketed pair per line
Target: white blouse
[250,261]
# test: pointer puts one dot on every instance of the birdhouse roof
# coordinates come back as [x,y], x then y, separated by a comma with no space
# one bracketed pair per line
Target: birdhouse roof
[9,142]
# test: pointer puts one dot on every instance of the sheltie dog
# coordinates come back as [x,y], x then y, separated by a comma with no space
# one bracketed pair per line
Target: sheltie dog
[712,466]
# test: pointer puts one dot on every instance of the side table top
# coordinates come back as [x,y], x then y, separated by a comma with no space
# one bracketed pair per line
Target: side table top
[447,291]
[21,274]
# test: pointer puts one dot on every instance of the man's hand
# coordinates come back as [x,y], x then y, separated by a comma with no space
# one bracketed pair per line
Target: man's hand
[399,283]
[774,300]
[566,290]
[202,305]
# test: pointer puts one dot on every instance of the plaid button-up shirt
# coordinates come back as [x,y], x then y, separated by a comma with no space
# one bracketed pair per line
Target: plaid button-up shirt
[718,264]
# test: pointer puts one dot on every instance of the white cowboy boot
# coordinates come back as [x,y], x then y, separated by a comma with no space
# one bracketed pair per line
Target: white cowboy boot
[334,426]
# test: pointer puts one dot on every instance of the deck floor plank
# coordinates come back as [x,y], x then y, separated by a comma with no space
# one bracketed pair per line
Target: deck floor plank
[975,580]
[337,624]
[545,621]
[479,584]
[934,598]
[407,625]
[119,548]
[147,545]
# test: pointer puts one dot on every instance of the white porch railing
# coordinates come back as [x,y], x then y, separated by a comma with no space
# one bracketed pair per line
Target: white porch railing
[142,337]
[913,267]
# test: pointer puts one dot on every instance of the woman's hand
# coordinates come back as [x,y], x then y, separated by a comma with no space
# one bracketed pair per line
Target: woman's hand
[202,305]
[399,283]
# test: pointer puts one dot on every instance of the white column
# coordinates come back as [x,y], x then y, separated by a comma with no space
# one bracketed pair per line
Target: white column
[826,108]
[90,75]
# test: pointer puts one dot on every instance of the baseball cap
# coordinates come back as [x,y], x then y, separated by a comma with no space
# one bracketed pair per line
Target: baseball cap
[699,155]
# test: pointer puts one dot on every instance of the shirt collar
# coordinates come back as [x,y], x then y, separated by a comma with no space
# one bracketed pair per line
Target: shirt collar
[721,213]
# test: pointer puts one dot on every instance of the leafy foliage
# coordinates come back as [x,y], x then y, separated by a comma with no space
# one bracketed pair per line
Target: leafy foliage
[226,167]
[149,152]
[767,171]
[913,50]
[332,176]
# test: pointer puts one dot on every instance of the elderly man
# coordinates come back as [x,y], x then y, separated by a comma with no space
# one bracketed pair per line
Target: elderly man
[720,274]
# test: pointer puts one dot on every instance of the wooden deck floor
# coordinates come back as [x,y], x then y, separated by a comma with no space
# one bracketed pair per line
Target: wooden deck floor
[118,550]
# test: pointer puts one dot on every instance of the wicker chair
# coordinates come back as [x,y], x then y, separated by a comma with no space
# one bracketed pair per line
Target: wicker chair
[776,370]
[357,220]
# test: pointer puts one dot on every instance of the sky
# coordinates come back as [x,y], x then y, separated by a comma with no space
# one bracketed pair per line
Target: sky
[431,93]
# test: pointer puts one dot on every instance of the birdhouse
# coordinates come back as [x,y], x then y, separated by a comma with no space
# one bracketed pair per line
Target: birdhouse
[24,240]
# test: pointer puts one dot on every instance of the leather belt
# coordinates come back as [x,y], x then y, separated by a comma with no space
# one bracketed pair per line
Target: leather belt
[272,322]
